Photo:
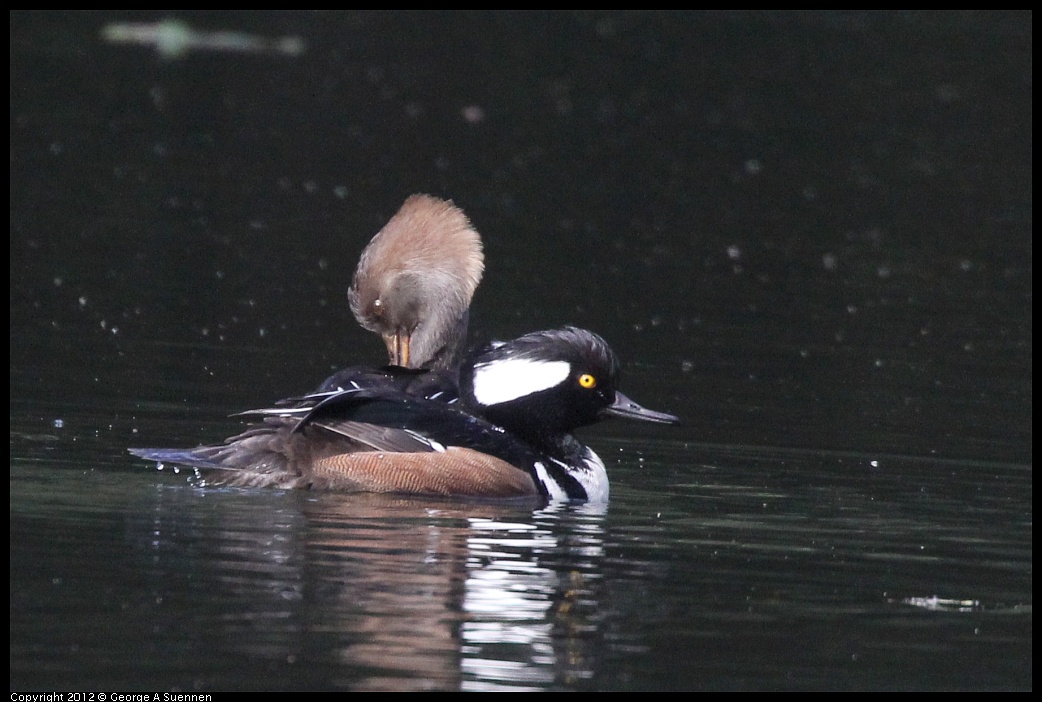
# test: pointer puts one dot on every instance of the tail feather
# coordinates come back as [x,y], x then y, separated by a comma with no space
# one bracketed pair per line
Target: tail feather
[183,457]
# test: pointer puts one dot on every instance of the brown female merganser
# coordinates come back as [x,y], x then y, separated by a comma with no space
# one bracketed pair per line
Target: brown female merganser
[415,281]
[413,286]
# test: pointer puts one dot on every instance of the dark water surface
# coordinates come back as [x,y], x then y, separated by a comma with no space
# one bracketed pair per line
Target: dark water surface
[809,235]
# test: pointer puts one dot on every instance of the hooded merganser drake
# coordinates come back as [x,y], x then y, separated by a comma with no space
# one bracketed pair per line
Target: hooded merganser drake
[509,435]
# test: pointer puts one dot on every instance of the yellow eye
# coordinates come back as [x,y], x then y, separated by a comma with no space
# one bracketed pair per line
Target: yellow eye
[587,381]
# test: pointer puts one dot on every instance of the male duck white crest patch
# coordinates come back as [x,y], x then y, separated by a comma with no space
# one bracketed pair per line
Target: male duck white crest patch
[511,378]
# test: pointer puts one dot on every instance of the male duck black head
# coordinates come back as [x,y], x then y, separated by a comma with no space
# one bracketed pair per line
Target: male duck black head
[541,387]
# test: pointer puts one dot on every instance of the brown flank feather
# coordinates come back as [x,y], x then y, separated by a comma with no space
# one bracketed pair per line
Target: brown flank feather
[455,471]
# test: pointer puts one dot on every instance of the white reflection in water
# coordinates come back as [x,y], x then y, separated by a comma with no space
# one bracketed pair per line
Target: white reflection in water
[512,598]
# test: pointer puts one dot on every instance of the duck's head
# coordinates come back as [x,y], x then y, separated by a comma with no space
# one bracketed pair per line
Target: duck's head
[415,281]
[548,383]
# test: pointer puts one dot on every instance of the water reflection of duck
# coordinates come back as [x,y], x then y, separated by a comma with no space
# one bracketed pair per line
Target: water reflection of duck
[498,424]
